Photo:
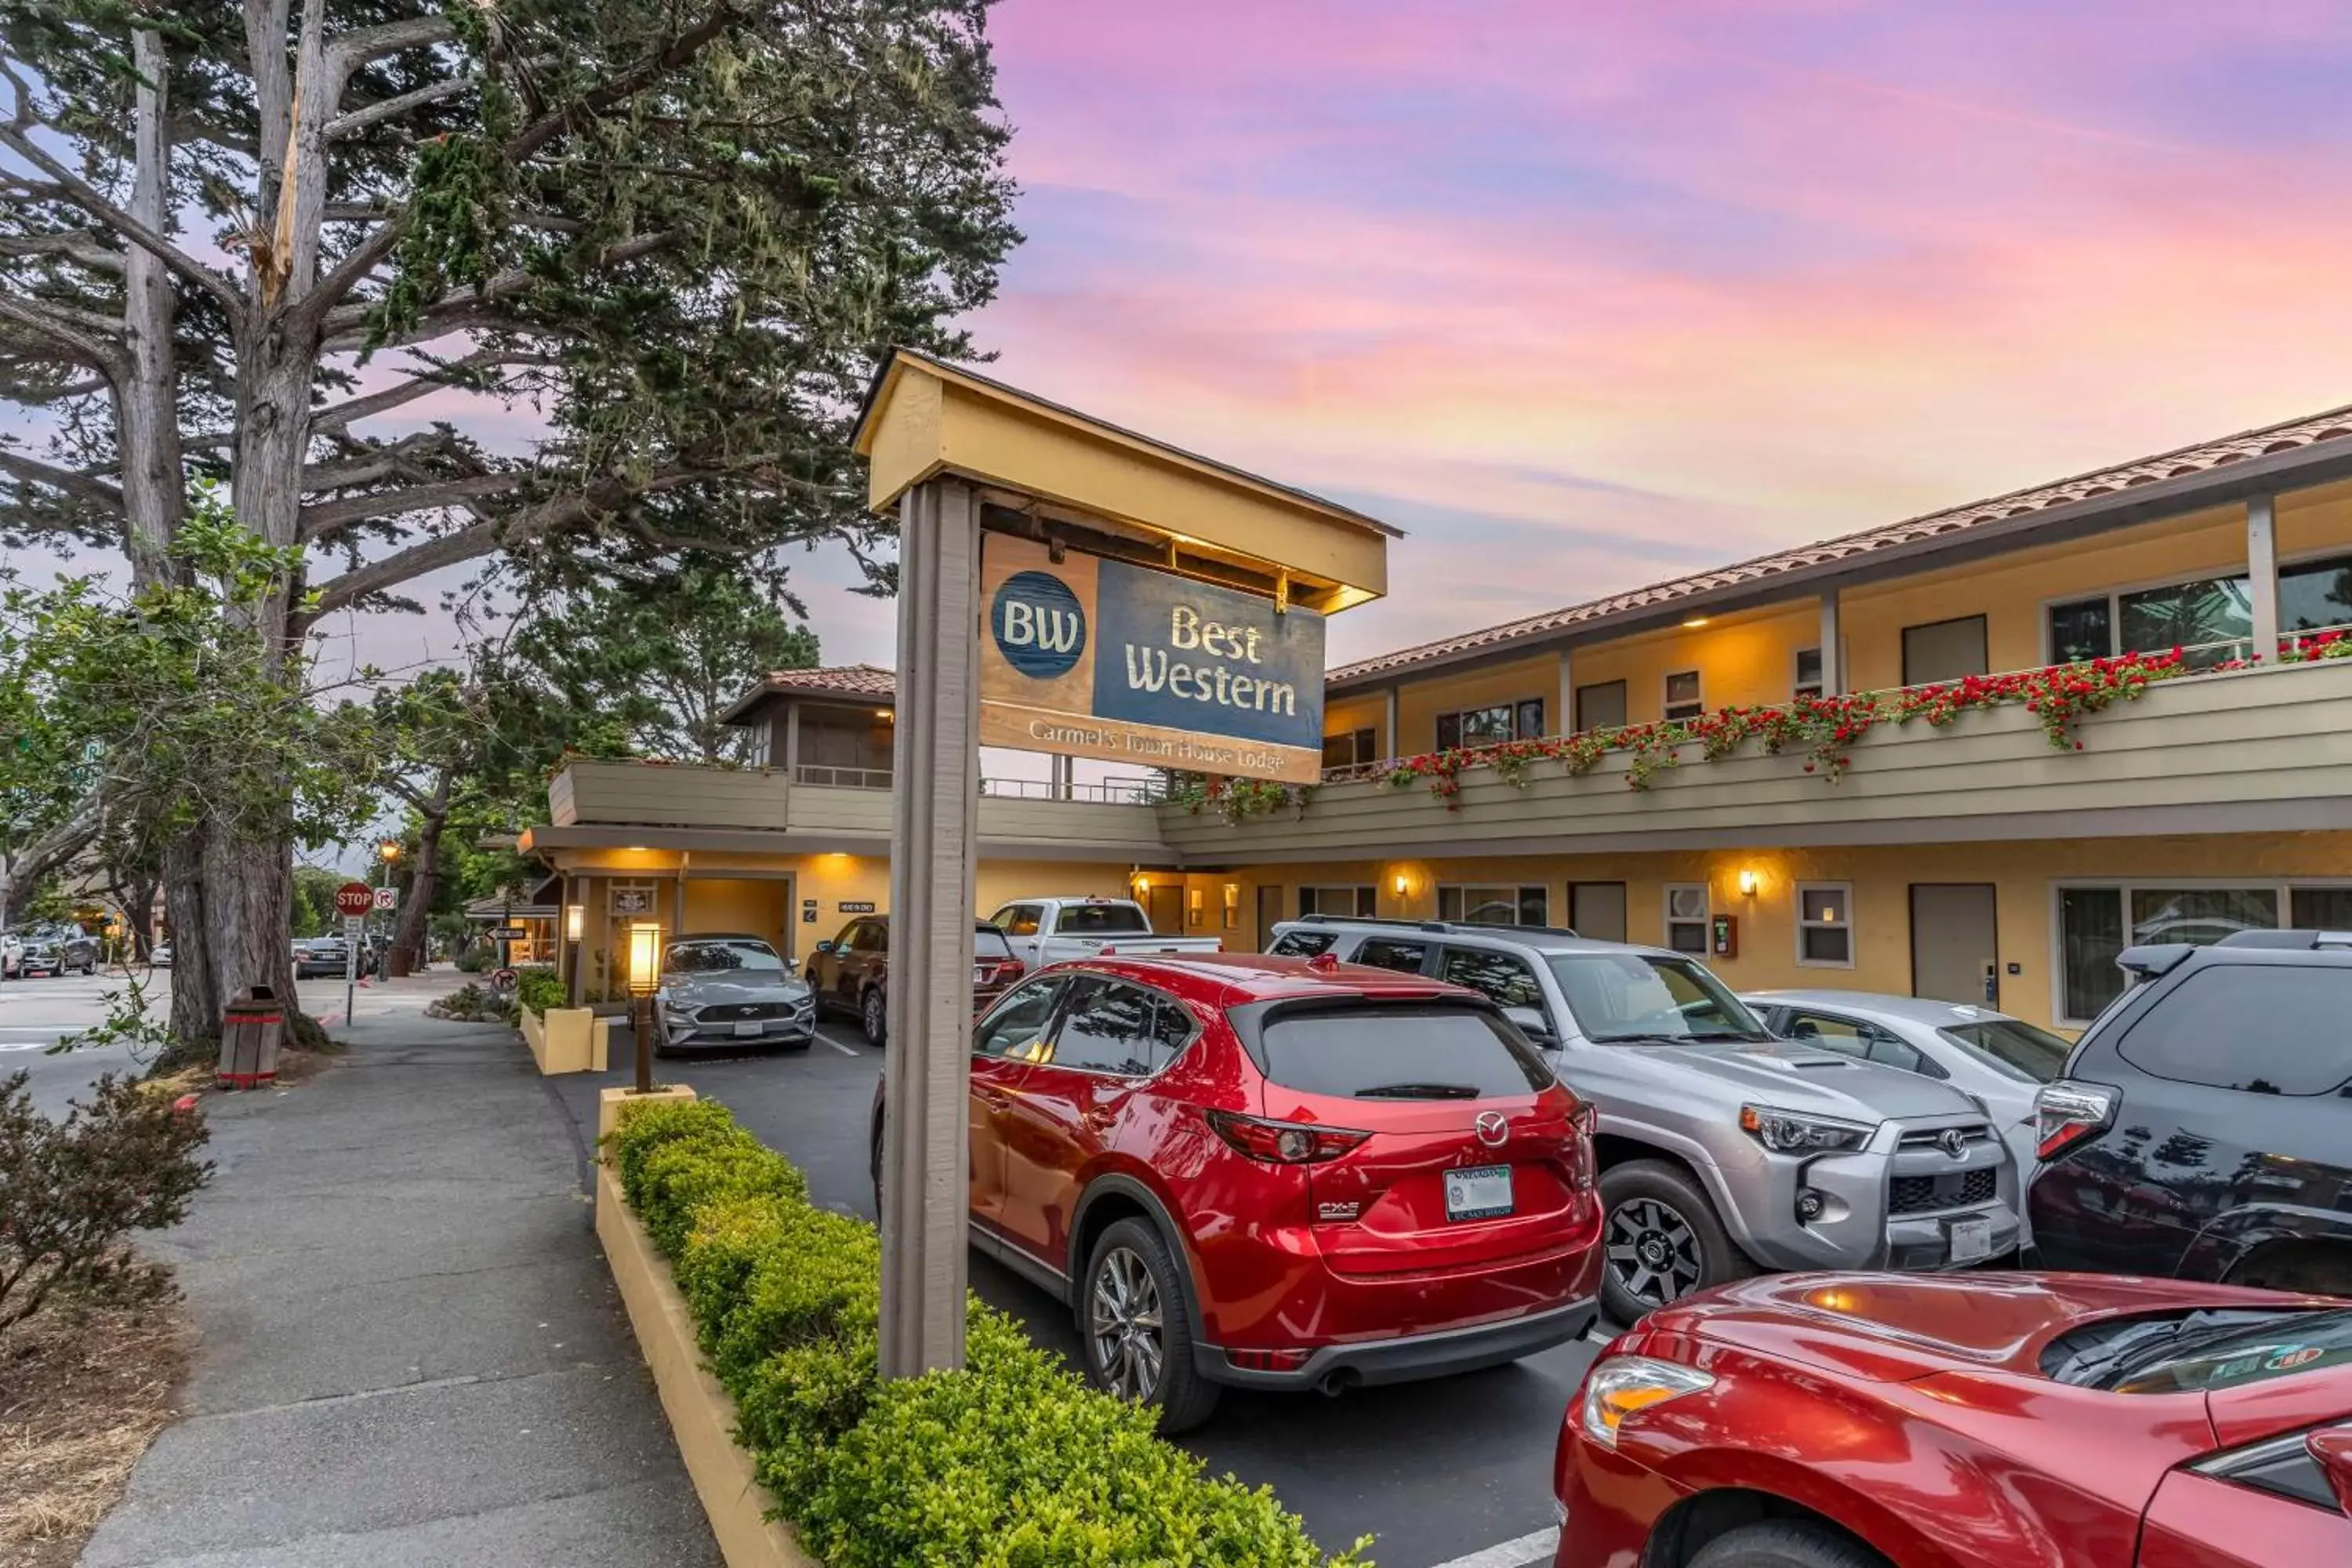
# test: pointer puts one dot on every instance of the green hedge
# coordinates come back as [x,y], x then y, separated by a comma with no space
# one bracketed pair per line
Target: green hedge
[1012,1463]
[538,988]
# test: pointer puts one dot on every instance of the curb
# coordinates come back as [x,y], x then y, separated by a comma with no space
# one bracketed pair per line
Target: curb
[701,1415]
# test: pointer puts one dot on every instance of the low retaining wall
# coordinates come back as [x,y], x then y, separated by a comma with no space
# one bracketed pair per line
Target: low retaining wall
[700,1413]
[566,1039]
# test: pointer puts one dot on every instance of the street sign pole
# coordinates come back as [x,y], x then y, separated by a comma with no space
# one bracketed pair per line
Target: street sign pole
[927,1072]
[352,902]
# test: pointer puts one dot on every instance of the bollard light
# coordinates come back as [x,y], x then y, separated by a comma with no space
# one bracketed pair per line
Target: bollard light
[574,919]
[645,978]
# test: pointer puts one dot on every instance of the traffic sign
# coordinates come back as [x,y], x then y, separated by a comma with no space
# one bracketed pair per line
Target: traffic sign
[387,898]
[503,979]
[354,927]
[354,898]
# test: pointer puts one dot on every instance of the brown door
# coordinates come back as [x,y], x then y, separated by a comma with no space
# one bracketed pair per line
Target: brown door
[1597,909]
[1165,905]
[1269,914]
[1955,946]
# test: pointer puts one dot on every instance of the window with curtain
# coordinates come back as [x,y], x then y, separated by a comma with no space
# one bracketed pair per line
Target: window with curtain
[1944,650]
[2315,593]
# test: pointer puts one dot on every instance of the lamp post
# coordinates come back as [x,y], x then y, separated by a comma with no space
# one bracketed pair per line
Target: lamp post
[645,976]
[575,924]
[385,853]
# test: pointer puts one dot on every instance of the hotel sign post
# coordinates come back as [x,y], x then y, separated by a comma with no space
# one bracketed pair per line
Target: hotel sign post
[1068,587]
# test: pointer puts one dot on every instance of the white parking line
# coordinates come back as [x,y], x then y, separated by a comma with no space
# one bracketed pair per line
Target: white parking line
[837,1044]
[1538,1547]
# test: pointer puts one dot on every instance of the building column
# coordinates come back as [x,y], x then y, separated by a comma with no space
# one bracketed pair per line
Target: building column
[1833,646]
[1064,785]
[792,743]
[935,779]
[2262,575]
[1564,723]
[1391,741]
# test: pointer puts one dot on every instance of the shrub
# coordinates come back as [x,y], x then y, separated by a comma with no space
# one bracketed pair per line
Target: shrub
[72,1191]
[478,959]
[538,988]
[1011,1463]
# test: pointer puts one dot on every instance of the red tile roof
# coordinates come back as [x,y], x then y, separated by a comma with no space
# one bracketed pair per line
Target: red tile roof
[857,682]
[2332,425]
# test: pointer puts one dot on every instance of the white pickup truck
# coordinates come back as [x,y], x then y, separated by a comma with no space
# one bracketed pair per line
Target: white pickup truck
[1047,931]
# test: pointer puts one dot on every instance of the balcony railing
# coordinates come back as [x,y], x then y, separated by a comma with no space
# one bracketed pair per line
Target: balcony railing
[1141,790]
[823,777]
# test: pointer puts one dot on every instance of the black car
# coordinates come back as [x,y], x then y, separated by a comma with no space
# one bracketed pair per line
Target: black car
[320,956]
[2203,1127]
[57,952]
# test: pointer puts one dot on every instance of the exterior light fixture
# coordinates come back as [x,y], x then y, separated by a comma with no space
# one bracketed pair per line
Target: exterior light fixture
[1747,883]
[645,977]
[1401,885]
[1142,884]
[885,714]
[1693,623]
[575,919]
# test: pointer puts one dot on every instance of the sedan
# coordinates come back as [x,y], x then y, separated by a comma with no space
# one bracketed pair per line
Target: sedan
[725,988]
[2011,1421]
[1999,1060]
[321,955]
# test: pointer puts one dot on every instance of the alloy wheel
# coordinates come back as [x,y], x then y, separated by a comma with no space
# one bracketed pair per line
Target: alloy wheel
[1652,1251]
[1125,1328]
[875,1016]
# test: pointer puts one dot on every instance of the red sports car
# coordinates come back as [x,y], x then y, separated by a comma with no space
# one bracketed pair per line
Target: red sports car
[1975,1421]
[1279,1172]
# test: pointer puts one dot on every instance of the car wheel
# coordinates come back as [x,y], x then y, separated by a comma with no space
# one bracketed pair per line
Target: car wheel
[1661,1239]
[874,1013]
[1786,1543]
[1132,1324]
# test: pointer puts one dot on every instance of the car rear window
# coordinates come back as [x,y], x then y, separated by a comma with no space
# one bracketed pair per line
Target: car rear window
[1302,944]
[1101,920]
[2007,1046]
[987,941]
[1374,1052]
[2262,1028]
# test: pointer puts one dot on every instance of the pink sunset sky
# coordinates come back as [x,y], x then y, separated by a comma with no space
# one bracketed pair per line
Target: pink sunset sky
[1584,295]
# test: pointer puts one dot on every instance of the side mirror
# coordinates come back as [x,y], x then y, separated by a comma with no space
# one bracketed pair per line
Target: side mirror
[2331,1450]
[825,946]
[1530,1023]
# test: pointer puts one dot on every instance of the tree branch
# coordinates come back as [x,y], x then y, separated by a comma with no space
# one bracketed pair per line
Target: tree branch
[393,108]
[353,410]
[79,348]
[682,49]
[362,45]
[468,543]
[83,196]
[81,250]
[82,487]
[364,258]
[329,517]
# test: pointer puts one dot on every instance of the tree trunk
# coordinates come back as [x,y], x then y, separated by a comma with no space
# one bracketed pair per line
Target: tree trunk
[146,403]
[196,996]
[425,878]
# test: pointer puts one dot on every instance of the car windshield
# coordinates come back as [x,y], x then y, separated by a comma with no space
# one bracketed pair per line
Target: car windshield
[987,941]
[721,957]
[2016,1049]
[2205,1356]
[1101,920]
[1644,998]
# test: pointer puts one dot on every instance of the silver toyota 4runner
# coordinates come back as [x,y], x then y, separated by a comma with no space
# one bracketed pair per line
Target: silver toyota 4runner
[1722,1150]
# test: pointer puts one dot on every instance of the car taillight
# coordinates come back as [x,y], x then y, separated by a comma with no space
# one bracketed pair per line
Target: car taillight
[2066,1113]
[1283,1142]
[1581,1163]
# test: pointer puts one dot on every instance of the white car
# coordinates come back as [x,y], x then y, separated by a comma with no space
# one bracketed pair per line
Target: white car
[2001,1060]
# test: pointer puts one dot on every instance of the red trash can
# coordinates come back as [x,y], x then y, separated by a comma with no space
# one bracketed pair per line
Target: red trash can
[250,1027]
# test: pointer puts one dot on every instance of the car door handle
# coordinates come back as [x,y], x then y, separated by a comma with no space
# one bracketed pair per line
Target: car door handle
[1099,1118]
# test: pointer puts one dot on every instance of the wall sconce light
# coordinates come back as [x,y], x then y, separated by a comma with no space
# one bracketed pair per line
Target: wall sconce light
[1401,885]
[1233,894]
[1142,884]
[1747,883]
[575,921]
[885,714]
[1693,623]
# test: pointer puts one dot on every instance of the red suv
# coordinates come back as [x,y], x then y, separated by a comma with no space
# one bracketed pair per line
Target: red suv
[1278,1172]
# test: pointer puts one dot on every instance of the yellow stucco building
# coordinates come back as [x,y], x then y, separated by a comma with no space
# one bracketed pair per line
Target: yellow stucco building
[1972,860]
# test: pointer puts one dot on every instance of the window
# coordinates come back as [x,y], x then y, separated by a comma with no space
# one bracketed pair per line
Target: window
[1597,909]
[2213,615]
[2090,939]
[989,943]
[2011,1047]
[1808,673]
[1501,975]
[2097,923]
[1351,748]
[1399,1053]
[1112,1027]
[2315,593]
[1016,920]
[2262,1028]
[1601,706]
[2320,908]
[1494,906]
[1013,1026]
[1636,998]
[1121,919]
[1683,699]
[1686,917]
[1302,944]
[1825,924]
[1866,1042]
[1384,953]
[869,936]
[1491,725]
[1944,650]
[1345,903]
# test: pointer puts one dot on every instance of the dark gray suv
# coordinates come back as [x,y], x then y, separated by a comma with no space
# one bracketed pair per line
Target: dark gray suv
[1722,1149]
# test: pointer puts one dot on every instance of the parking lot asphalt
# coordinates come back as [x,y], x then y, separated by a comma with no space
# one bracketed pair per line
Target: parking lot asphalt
[1454,1473]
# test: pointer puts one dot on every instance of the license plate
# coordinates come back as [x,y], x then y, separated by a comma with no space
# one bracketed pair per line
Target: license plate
[749,1031]
[1481,1191]
[1971,1240]
[980,977]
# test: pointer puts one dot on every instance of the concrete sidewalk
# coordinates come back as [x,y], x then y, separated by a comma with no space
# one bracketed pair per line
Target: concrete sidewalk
[412,1354]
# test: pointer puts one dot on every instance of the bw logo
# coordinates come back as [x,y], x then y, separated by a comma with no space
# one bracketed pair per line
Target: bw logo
[1038,624]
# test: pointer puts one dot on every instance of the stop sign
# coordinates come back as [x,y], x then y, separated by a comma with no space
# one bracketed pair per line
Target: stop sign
[354,898]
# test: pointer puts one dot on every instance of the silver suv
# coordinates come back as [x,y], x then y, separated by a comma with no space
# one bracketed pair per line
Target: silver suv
[1722,1149]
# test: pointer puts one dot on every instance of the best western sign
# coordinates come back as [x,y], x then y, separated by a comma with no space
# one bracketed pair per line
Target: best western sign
[1094,657]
